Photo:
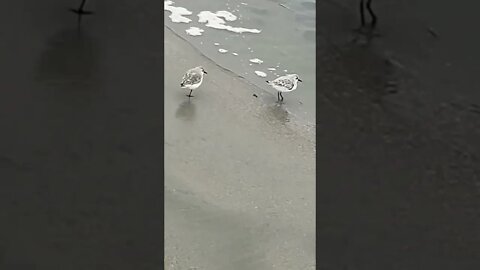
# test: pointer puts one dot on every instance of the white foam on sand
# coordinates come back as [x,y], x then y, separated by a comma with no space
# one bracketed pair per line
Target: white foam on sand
[256,61]
[177,13]
[227,15]
[234,53]
[217,20]
[194,31]
[271,68]
[216,43]
[222,50]
[261,73]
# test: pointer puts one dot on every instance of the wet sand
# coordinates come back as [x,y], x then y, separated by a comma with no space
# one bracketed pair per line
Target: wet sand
[239,177]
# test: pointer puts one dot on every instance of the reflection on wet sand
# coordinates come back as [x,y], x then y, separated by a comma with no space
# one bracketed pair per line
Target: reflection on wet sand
[68,77]
[186,110]
[356,77]
[68,73]
[69,60]
[277,111]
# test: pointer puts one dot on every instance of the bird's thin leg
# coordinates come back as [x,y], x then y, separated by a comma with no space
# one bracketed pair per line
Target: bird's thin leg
[281,95]
[362,14]
[79,21]
[82,5]
[361,9]
[190,95]
[370,10]
[278,96]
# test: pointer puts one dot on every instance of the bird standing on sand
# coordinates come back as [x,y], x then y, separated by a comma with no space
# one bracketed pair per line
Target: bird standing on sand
[370,10]
[286,83]
[192,79]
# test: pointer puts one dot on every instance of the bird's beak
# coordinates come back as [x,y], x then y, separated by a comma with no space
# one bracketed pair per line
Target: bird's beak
[299,80]
[205,72]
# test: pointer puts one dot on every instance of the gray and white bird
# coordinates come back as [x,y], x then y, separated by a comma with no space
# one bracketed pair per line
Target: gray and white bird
[192,79]
[283,84]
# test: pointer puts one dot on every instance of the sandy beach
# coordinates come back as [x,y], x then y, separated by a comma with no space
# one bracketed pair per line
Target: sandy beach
[239,179]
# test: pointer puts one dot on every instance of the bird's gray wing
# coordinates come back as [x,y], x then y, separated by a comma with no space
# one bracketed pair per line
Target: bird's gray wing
[191,78]
[282,82]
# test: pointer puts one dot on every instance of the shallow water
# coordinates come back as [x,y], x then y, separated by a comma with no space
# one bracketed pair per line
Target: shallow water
[282,35]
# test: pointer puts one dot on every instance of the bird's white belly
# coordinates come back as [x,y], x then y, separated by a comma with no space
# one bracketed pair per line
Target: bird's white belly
[282,89]
[193,86]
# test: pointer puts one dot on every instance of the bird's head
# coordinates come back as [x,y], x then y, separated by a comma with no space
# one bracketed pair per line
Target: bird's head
[295,77]
[202,69]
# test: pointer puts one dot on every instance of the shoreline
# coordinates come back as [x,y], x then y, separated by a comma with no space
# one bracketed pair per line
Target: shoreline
[295,122]
[246,47]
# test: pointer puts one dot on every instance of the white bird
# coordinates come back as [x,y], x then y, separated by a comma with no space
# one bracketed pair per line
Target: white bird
[286,83]
[192,79]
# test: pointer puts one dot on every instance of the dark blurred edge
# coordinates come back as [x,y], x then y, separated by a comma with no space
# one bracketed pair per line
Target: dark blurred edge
[19,248]
[370,223]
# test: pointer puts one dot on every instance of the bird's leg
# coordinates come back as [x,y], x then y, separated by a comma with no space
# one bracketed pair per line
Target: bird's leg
[82,5]
[368,32]
[281,95]
[80,11]
[362,14]
[359,29]
[374,17]
[190,95]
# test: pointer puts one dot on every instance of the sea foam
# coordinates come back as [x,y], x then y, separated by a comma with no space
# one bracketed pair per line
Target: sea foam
[177,13]
[194,31]
[217,20]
